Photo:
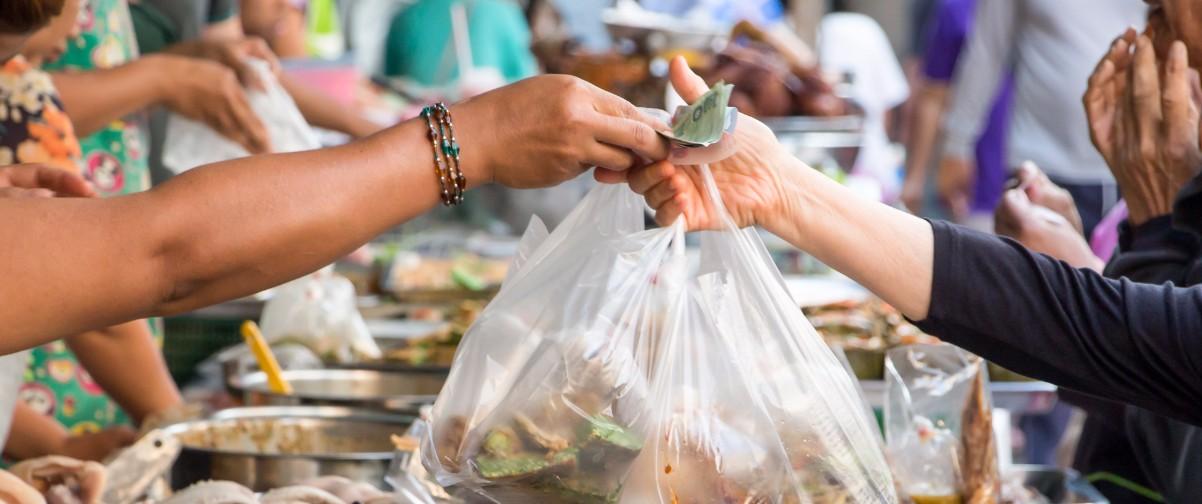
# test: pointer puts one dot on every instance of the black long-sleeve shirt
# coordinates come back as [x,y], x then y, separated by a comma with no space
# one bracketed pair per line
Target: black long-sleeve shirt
[1136,343]
[1125,440]
[1162,250]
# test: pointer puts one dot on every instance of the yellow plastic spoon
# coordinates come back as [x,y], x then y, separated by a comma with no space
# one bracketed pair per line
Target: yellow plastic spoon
[275,377]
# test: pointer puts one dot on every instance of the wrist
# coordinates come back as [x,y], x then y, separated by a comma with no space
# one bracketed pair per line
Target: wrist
[785,214]
[160,70]
[473,134]
[1141,210]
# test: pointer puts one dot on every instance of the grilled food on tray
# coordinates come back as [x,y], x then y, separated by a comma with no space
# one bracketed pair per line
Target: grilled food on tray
[437,349]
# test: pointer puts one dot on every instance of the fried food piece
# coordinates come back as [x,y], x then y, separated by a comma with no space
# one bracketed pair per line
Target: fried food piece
[502,442]
[604,442]
[448,440]
[538,436]
[982,484]
[525,465]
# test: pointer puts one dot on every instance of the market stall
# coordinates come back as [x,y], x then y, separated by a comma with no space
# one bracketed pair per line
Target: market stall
[562,346]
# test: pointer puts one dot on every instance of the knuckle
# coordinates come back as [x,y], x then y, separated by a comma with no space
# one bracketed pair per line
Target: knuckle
[642,134]
[1147,148]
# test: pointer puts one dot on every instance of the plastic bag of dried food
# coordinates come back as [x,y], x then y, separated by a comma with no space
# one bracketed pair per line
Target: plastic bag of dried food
[609,370]
[319,311]
[190,143]
[939,425]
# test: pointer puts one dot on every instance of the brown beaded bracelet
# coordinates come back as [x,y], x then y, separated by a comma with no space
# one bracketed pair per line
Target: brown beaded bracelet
[450,151]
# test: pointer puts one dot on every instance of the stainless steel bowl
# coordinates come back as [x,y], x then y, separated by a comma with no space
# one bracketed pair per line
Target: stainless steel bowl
[389,391]
[269,447]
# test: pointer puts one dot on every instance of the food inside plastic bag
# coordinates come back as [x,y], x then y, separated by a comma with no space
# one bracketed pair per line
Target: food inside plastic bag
[939,425]
[190,143]
[319,311]
[606,370]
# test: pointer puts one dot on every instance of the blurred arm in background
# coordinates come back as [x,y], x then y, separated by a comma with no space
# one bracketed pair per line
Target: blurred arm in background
[978,77]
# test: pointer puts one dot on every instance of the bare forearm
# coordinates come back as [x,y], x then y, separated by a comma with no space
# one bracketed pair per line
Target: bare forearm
[322,111]
[127,89]
[884,249]
[125,361]
[214,233]
[927,114]
[33,434]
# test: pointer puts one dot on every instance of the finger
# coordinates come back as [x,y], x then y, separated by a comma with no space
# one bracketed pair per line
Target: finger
[1122,56]
[642,179]
[660,194]
[59,181]
[1008,218]
[244,120]
[19,192]
[1118,53]
[605,176]
[248,76]
[1180,116]
[1028,173]
[633,134]
[687,84]
[1145,96]
[609,157]
[258,48]
[667,213]
[702,155]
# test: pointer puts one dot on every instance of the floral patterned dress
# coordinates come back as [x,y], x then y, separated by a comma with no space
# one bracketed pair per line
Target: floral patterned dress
[33,126]
[114,160]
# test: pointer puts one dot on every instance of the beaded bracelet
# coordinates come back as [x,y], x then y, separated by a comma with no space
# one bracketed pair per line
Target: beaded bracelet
[450,151]
[446,154]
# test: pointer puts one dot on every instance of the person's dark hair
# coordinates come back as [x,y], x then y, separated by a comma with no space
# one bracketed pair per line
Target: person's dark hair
[24,16]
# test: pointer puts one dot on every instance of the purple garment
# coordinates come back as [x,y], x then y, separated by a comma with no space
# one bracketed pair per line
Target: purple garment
[949,32]
[1105,238]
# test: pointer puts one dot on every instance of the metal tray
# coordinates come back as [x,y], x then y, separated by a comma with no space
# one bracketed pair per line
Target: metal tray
[1059,485]
[269,447]
[388,391]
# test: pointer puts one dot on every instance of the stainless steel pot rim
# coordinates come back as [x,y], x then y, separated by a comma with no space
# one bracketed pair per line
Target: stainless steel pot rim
[257,382]
[330,413]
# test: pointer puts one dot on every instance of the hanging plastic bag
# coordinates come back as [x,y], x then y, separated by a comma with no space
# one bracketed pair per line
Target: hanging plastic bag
[190,143]
[606,371]
[939,425]
[319,312]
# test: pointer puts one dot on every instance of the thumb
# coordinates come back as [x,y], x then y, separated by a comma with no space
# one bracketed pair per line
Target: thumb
[688,84]
[1011,213]
[1028,172]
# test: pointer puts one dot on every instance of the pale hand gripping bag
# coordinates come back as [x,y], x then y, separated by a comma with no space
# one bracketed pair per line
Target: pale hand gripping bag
[607,371]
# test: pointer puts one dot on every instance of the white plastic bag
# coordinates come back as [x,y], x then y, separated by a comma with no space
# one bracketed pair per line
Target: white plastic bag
[319,312]
[189,143]
[605,371]
[938,424]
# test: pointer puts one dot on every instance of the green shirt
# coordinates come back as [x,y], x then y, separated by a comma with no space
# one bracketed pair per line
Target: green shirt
[161,23]
[420,45]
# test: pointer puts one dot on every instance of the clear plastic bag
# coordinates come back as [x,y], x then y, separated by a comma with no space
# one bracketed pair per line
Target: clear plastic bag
[190,143]
[319,311]
[608,370]
[939,425]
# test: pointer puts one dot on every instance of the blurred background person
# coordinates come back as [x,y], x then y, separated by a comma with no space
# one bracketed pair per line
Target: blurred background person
[949,28]
[421,44]
[65,408]
[1050,47]
[213,30]
[854,48]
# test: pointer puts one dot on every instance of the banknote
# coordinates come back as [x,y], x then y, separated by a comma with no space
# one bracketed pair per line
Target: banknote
[703,123]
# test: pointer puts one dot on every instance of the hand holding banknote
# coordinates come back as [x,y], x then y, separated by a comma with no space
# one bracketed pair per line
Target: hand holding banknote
[749,177]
